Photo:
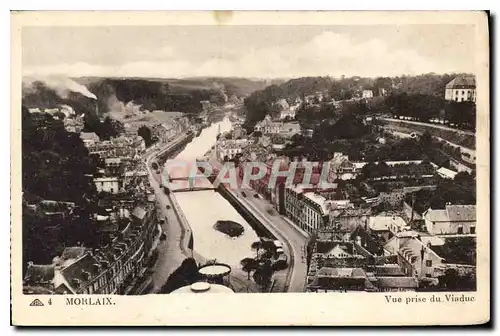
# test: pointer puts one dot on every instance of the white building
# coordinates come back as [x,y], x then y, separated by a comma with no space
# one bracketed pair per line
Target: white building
[230,148]
[107,184]
[309,210]
[386,226]
[446,173]
[290,129]
[287,110]
[415,257]
[89,138]
[267,126]
[454,219]
[461,89]
[112,163]
[367,94]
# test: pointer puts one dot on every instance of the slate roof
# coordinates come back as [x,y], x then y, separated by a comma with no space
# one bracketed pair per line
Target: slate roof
[461,213]
[452,213]
[139,212]
[389,270]
[76,272]
[291,127]
[356,212]
[462,82]
[438,215]
[341,272]
[397,282]
[38,274]
[89,136]
[447,172]
[382,223]
[73,252]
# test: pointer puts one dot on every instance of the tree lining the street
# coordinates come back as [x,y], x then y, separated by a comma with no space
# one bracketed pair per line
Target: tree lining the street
[145,133]
[186,274]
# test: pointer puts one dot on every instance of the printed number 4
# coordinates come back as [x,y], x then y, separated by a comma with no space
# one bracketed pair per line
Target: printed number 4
[50,301]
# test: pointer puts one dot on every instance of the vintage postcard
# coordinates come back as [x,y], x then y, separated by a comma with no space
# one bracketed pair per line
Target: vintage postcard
[250,168]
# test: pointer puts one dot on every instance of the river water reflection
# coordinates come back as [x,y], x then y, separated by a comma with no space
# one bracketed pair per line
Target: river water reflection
[204,208]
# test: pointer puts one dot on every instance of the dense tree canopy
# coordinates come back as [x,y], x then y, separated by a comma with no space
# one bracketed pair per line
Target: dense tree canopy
[55,164]
[107,129]
[186,274]
[145,133]
[461,190]
[421,97]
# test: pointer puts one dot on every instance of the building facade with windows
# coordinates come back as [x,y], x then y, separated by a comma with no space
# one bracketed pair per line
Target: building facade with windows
[462,88]
[454,219]
[309,210]
[415,258]
[366,94]
[267,126]
[111,269]
[110,184]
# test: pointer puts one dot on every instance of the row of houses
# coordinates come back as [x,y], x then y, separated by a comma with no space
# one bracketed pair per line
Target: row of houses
[359,252]
[120,162]
[111,269]
[167,131]
[124,146]
[66,110]
[314,205]
[269,126]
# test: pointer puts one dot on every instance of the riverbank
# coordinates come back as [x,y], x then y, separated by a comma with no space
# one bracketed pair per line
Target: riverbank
[238,279]
[183,241]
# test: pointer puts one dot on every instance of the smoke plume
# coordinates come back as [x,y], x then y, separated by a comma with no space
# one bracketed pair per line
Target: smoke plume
[62,86]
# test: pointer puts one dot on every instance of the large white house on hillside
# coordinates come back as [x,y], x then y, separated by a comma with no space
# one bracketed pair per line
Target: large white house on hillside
[462,88]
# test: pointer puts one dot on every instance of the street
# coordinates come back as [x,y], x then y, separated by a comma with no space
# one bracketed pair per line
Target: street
[285,232]
[445,128]
[170,254]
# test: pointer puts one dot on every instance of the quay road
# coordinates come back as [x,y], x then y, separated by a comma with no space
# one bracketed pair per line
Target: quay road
[442,127]
[170,254]
[402,133]
[294,239]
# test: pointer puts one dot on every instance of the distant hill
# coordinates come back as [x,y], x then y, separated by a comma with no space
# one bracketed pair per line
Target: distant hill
[113,94]
[238,86]
[260,103]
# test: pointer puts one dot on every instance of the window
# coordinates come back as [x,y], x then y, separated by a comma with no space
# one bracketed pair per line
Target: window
[463,98]
[456,98]
[460,230]
[463,92]
[456,92]
[472,229]
[428,263]
[428,275]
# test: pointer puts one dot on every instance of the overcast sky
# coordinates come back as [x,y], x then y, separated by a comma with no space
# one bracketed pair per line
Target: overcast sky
[248,51]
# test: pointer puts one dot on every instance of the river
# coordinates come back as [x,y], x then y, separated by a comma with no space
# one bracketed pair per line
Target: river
[204,208]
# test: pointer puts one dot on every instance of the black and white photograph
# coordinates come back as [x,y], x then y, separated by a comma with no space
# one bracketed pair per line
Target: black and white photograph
[197,159]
